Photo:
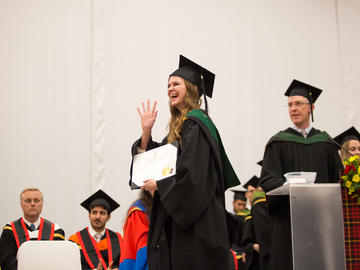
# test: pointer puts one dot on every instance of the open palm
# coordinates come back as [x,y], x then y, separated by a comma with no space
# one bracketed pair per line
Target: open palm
[147,115]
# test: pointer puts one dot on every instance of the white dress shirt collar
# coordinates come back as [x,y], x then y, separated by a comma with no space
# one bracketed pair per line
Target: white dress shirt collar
[299,129]
[36,223]
[93,232]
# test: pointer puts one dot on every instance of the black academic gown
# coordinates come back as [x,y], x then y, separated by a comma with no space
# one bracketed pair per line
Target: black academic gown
[236,245]
[247,243]
[188,216]
[263,230]
[8,246]
[102,246]
[282,156]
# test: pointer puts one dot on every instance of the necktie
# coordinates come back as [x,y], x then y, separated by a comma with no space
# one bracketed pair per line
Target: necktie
[304,133]
[97,237]
[32,227]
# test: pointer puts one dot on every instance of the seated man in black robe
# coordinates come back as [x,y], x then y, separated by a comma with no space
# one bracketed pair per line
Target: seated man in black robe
[298,148]
[99,247]
[239,202]
[240,211]
[29,227]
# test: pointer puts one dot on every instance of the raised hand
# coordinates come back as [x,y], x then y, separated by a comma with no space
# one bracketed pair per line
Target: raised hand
[147,116]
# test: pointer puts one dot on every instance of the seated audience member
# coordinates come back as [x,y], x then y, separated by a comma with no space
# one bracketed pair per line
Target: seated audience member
[350,143]
[239,202]
[136,228]
[249,257]
[250,187]
[99,247]
[262,227]
[29,227]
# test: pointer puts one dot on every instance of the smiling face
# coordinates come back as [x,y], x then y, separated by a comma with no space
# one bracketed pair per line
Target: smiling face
[176,92]
[354,147]
[299,111]
[98,217]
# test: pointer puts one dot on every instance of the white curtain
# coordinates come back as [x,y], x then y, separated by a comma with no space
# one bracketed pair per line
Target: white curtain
[73,72]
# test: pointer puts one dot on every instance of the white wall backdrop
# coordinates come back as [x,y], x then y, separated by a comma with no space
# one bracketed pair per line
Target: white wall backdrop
[73,72]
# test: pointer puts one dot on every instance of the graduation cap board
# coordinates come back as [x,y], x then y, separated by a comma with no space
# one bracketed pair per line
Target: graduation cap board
[197,75]
[298,88]
[252,182]
[100,198]
[347,135]
[239,195]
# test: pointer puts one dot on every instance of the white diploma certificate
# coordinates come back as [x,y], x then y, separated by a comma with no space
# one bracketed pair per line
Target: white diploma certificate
[156,164]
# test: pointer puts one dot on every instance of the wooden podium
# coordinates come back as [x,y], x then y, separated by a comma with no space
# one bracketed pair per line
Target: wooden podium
[317,228]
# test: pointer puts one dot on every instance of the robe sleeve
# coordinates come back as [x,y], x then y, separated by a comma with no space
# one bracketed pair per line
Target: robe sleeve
[59,233]
[151,145]
[73,238]
[84,266]
[8,249]
[133,248]
[262,226]
[272,170]
[187,194]
[248,240]
[336,165]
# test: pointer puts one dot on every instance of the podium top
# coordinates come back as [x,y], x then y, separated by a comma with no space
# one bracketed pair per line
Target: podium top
[55,255]
[286,189]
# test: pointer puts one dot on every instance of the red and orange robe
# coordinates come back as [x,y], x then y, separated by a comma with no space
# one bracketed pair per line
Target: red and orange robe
[133,249]
[92,252]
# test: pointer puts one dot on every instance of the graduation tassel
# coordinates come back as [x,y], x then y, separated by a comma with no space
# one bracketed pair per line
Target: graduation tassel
[204,93]
[206,104]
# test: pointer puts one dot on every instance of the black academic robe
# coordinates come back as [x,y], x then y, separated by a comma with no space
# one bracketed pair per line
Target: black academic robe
[282,156]
[262,229]
[236,245]
[87,243]
[247,242]
[188,216]
[9,248]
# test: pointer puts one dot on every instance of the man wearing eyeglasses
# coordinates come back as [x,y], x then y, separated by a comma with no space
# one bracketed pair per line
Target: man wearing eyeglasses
[29,227]
[298,148]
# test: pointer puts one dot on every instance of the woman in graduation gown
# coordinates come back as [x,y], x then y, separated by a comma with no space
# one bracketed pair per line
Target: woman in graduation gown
[188,228]
[349,140]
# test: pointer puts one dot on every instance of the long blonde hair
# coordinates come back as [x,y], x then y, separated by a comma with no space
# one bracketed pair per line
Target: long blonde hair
[192,101]
[343,154]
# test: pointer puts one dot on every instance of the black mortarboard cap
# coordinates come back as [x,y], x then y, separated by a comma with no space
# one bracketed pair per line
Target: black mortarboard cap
[298,88]
[195,74]
[252,182]
[347,135]
[239,195]
[100,198]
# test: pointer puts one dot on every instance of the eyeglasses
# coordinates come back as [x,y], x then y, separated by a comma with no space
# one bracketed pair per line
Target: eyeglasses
[296,104]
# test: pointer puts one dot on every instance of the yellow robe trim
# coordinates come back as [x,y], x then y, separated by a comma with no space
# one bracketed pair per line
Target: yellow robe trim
[260,200]
[7,228]
[248,217]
